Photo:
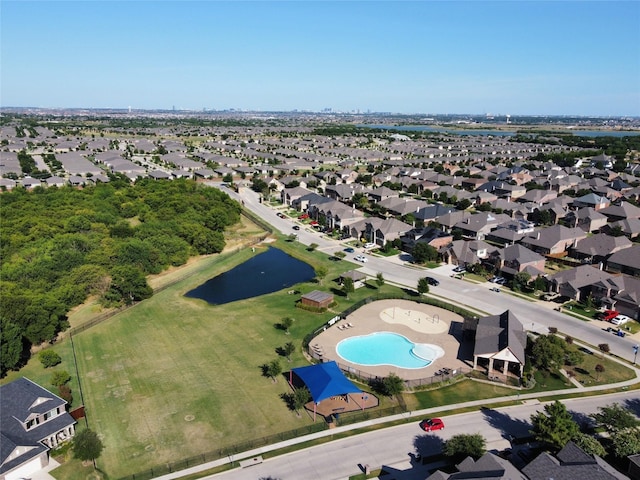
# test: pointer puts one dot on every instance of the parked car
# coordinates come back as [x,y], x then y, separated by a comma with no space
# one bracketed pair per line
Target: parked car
[495,289]
[608,315]
[501,281]
[349,250]
[433,281]
[459,269]
[281,215]
[361,258]
[549,297]
[431,424]
[620,320]
[296,227]
[303,216]
[369,245]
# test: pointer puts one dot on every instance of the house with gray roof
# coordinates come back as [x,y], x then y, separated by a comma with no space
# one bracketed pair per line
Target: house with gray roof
[489,466]
[32,421]
[597,248]
[630,228]
[518,258]
[386,230]
[623,211]
[580,282]
[499,344]
[571,463]
[625,261]
[556,239]
[591,200]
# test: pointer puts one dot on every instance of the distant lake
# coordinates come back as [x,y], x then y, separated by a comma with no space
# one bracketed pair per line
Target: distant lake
[497,133]
[265,273]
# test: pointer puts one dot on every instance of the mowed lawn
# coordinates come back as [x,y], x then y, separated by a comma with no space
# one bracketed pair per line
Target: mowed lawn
[174,377]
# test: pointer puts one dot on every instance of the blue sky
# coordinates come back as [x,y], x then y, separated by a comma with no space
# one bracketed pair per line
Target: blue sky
[516,57]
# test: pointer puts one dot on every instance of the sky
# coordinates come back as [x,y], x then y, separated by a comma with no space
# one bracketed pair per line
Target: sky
[465,57]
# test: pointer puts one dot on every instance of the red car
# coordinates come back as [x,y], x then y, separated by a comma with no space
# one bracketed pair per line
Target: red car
[431,424]
[609,315]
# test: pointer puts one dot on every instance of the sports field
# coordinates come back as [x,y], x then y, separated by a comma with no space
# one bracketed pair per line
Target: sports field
[174,377]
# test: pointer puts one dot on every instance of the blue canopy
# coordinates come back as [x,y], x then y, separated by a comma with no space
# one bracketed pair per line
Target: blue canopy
[325,380]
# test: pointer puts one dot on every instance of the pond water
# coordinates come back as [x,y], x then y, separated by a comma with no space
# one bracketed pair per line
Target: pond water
[265,273]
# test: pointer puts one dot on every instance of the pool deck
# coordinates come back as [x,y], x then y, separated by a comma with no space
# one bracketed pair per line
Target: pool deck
[420,323]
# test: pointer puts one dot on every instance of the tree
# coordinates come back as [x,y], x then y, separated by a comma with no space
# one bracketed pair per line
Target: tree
[288,349]
[379,279]
[301,397]
[129,285]
[520,280]
[10,346]
[599,368]
[273,370]
[312,247]
[589,444]
[347,286]
[555,426]
[615,418]
[321,272]
[423,252]
[60,377]
[423,286]
[49,358]
[392,385]
[547,352]
[286,324]
[87,446]
[626,442]
[604,347]
[573,357]
[464,445]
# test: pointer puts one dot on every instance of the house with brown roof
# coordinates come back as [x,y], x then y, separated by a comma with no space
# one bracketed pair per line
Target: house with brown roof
[580,282]
[623,211]
[518,258]
[586,218]
[625,261]
[597,248]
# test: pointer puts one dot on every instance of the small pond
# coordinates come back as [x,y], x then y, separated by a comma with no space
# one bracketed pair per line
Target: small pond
[267,272]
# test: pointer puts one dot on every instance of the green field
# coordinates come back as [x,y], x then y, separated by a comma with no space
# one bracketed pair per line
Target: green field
[174,377]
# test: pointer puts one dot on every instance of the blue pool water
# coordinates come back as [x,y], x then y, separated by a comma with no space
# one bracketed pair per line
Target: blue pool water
[386,348]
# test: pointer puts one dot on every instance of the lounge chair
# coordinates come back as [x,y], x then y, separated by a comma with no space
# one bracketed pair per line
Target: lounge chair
[349,325]
[342,327]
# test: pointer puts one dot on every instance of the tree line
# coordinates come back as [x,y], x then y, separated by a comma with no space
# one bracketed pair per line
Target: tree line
[59,246]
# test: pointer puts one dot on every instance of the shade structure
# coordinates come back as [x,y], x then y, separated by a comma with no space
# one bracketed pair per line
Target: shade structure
[325,380]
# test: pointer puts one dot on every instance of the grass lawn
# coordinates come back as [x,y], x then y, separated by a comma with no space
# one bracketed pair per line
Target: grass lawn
[613,371]
[174,377]
[463,391]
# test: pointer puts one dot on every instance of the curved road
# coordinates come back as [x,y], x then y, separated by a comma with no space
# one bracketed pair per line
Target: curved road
[535,315]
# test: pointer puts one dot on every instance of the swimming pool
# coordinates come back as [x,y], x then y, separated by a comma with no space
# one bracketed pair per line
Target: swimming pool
[387,348]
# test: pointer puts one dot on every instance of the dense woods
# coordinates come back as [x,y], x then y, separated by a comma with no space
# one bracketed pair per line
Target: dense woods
[60,245]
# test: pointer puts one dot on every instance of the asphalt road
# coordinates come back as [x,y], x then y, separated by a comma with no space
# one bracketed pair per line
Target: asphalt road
[535,315]
[396,446]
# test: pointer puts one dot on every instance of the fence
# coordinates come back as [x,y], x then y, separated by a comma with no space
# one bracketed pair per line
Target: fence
[224,452]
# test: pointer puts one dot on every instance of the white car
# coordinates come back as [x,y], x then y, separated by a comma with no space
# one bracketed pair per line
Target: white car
[361,258]
[369,245]
[620,320]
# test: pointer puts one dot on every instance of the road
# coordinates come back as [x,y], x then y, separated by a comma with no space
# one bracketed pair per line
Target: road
[396,446]
[535,315]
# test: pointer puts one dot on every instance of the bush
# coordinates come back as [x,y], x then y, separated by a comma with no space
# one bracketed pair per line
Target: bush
[49,358]
[64,392]
[60,377]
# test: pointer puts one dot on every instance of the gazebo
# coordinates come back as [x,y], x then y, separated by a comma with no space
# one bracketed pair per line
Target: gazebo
[324,381]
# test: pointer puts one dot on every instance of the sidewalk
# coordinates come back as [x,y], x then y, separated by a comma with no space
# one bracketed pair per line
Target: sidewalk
[523,398]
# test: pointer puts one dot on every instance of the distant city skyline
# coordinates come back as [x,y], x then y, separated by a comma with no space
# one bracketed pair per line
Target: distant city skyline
[409,57]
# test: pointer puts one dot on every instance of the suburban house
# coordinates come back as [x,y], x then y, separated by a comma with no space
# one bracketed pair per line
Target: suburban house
[624,211]
[518,258]
[570,462]
[429,235]
[477,226]
[32,421]
[553,240]
[591,200]
[499,344]
[586,218]
[625,261]
[466,252]
[289,195]
[489,466]
[387,230]
[599,247]
[580,282]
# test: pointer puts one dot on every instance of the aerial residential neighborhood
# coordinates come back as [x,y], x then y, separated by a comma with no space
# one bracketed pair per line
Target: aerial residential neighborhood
[523,217]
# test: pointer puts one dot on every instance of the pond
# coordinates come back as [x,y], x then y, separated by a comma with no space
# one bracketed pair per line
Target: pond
[265,273]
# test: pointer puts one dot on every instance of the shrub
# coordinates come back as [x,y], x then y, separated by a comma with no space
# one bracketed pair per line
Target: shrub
[49,358]
[60,377]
